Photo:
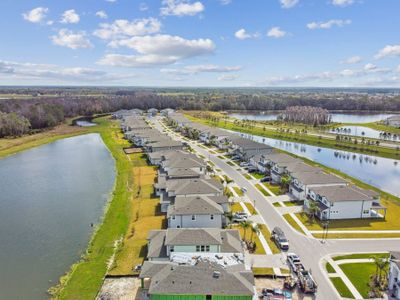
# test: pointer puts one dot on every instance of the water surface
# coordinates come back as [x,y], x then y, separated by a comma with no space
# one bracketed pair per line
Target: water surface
[49,197]
[336,117]
[383,173]
[363,131]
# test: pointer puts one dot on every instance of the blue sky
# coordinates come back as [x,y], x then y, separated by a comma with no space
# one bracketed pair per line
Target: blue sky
[238,43]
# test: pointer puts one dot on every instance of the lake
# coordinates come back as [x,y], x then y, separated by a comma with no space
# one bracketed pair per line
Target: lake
[336,117]
[380,172]
[49,197]
[363,131]
[85,124]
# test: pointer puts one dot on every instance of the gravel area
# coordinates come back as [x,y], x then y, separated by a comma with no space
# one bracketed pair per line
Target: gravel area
[120,289]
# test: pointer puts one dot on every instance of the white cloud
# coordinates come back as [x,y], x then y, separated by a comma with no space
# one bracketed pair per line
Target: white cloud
[123,28]
[352,60]
[242,34]
[143,6]
[70,39]
[398,69]
[157,50]
[36,15]
[70,16]
[101,14]
[195,69]
[111,1]
[56,73]
[342,2]
[276,32]
[225,2]
[328,24]
[288,3]
[370,67]
[228,77]
[388,51]
[181,8]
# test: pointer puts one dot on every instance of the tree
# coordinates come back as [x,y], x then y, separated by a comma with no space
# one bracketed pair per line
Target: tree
[285,182]
[255,229]
[229,216]
[245,225]
[312,210]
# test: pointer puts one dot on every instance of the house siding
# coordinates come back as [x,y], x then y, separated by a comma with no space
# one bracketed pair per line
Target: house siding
[202,221]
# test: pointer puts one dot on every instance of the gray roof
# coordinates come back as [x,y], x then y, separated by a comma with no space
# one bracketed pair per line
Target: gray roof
[319,177]
[200,205]
[282,158]
[155,246]
[193,236]
[198,186]
[345,193]
[197,279]
[184,161]
[295,167]
[183,172]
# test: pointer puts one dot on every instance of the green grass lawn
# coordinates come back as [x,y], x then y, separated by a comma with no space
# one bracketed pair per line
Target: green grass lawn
[86,276]
[236,207]
[231,163]
[293,223]
[341,287]
[251,208]
[361,256]
[263,271]
[359,274]
[267,235]
[392,221]
[247,235]
[276,189]
[277,204]
[264,192]
[329,268]
[248,176]
[258,175]
[238,191]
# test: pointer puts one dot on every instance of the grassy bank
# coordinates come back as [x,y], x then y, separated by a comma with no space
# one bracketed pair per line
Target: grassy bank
[9,146]
[293,136]
[86,276]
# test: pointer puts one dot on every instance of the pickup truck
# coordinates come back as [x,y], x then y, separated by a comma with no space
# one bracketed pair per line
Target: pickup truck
[294,262]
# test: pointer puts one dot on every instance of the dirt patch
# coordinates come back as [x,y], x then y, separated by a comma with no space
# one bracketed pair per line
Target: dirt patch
[120,289]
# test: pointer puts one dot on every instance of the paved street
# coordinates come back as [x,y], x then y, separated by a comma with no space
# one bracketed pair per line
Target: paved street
[310,250]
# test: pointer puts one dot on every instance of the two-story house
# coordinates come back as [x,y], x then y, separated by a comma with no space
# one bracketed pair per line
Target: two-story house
[195,212]
[344,202]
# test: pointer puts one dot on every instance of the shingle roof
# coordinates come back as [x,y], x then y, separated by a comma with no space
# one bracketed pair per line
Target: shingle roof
[193,236]
[295,167]
[198,186]
[156,246]
[317,178]
[281,158]
[184,161]
[344,193]
[194,206]
[199,279]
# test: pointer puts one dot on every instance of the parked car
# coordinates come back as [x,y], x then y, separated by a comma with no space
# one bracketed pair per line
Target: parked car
[244,164]
[272,294]
[266,179]
[244,190]
[240,217]
[280,239]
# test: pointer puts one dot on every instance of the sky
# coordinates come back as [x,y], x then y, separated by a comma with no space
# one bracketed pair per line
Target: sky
[210,43]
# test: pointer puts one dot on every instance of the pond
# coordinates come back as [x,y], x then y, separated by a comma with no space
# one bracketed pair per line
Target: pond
[336,117]
[50,197]
[380,172]
[85,123]
[363,131]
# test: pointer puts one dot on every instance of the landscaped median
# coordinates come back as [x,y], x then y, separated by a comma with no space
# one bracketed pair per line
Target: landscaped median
[358,275]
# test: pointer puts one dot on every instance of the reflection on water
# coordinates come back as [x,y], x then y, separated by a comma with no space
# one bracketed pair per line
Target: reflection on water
[49,196]
[383,173]
[367,132]
[336,117]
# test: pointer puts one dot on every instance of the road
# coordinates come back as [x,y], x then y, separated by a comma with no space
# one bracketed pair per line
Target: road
[310,250]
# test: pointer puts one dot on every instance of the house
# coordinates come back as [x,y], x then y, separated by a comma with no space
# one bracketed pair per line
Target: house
[302,182]
[151,112]
[393,121]
[162,244]
[168,189]
[188,161]
[344,202]
[195,212]
[277,163]
[394,275]
[203,280]
[245,148]
[166,112]
[164,145]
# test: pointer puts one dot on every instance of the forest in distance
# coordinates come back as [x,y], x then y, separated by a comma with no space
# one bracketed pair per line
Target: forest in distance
[28,109]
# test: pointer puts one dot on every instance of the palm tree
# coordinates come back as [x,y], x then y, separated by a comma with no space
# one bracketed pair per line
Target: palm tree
[312,210]
[255,229]
[285,181]
[381,267]
[229,216]
[245,225]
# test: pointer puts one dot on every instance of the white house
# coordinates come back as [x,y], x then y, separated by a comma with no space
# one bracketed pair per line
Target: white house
[195,212]
[302,182]
[162,243]
[393,121]
[394,275]
[343,202]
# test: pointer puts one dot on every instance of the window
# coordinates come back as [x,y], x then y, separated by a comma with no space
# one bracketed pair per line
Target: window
[197,248]
[193,217]
[212,217]
[207,248]
[365,212]
[202,248]
[173,217]
[171,249]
